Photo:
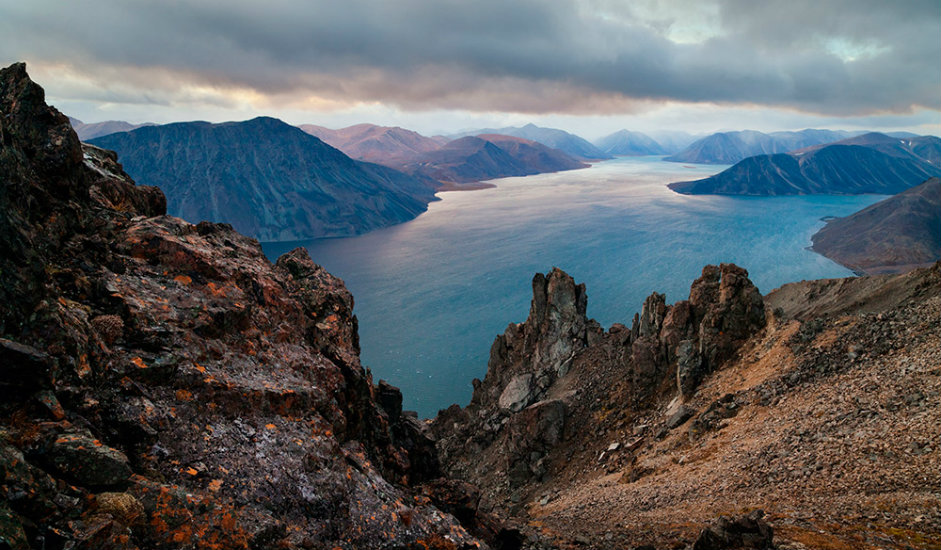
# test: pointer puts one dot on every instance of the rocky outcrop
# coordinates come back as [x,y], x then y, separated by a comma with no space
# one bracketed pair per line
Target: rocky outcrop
[529,357]
[165,386]
[539,394]
[747,531]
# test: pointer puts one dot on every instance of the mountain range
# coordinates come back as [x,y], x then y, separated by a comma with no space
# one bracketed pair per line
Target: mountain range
[390,146]
[872,163]
[489,156]
[451,163]
[268,179]
[894,235]
[570,144]
[97,129]
[731,147]
[628,143]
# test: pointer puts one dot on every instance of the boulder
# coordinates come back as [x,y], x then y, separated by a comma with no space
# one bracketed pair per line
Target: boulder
[747,531]
[682,414]
[518,394]
[123,507]
[530,435]
[87,460]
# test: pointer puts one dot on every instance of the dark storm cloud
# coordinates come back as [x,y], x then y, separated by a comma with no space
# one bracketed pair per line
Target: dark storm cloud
[834,57]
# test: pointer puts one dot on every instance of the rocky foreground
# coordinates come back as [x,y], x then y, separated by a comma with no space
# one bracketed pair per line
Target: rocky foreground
[815,410]
[163,385]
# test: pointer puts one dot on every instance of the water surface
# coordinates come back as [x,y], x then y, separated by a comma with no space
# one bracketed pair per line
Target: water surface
[432,293]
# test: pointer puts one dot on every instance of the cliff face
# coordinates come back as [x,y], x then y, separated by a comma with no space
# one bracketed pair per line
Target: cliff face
[163,385]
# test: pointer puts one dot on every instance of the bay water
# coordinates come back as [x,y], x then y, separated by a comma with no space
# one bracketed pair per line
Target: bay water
[432,293]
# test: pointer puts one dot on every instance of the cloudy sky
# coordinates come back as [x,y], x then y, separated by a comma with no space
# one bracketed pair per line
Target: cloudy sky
[589,66]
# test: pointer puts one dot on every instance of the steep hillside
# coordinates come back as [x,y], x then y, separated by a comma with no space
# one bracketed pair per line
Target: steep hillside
[819,404]
[731,147]
[627,143]
[268,179]
[867,164]
[569,144]
[165,386]
[891,236]
[473,159]
[389,146]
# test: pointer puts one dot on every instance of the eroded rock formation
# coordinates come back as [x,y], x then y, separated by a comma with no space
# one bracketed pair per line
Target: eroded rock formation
[523,409]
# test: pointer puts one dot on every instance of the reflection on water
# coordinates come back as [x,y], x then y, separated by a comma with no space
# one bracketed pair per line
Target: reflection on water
[432,293]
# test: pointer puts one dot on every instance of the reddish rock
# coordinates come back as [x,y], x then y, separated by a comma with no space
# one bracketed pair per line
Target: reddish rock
[222,393]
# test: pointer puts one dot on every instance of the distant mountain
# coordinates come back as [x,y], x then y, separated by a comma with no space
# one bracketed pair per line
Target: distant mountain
[731,147]
[569,144]
[386,145]
[489,156]
[873,163]
[894,235]
[628,143]
[268,179]
[672,141]
[919,148]
[97,129]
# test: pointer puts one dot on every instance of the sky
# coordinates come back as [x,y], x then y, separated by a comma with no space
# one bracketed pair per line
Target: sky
[439,66]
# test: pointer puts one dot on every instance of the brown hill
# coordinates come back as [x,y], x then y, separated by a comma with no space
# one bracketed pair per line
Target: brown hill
[891,236]
[389,146]
[489,156]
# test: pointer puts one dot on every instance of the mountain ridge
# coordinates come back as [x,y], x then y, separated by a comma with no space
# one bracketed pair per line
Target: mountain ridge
[387,145]
[873,163]
[488,156]
[268,179]
[628,143]
[732,147]
[566,142]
